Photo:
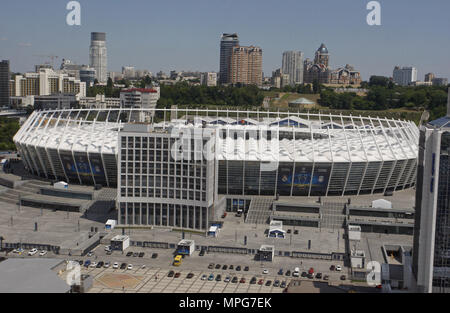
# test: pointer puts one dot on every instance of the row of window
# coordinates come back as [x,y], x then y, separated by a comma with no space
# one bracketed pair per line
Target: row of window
[163,193]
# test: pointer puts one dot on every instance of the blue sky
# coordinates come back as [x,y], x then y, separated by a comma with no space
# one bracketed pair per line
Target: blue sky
[185,35]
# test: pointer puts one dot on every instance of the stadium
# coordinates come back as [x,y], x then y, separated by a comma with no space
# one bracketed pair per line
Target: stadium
[314,154]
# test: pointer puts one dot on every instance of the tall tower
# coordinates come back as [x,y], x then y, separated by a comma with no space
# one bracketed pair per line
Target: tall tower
[5,76]
[322,56]
[98,56]
[246,66]
[227,43]
[292,64]
[431,251]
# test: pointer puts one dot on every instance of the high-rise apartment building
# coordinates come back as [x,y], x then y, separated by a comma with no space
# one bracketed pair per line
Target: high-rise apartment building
[98,57]
[246,65]
[4,83]
[227,43]
[429,77]
[404,76]
[292,64]
[431,254]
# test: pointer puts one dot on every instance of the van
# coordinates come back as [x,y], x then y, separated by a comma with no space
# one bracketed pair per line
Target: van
[296,272]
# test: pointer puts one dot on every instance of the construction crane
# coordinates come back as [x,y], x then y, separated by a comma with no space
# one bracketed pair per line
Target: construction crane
[51,57]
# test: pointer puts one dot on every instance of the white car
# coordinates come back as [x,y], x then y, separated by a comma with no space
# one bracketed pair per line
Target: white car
[204,277]
[107,248]
[116,265]
[265,271]
[143,266]
[106,265]
[32,251]
[93,264]
[43,252]
[130,267]
[338,268]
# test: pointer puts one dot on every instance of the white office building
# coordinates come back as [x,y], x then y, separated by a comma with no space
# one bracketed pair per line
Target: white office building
[404,76]
[98,58]
[208,79]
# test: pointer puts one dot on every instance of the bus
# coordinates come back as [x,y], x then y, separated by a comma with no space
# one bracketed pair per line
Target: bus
[177,260]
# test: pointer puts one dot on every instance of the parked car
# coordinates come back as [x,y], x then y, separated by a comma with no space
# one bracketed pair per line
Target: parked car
[276,283]
[130,267]
[190,275]
[224,214]
[304,274]
[87,263]
[80,262]
[93,264]
[100,264]
[246,268]
[253,280]
[204,277]
[296,232]
[211,277]
[283,284]
[154,255]
[141,254]
[238,268]
[43,252]
[326,277]
[177,274]
[135,254]
[106,265]
[288,273]
[218,277]
[265,271]
[280,272]
[311,275]
[90,253]
[109,252]
[343,277]
[32,251]
[202,252]
[170,274]
[227,279]
[311,270]
[143,266]
[224,267]
[107,248]
[319,275]
[332,268]
[115,265]
[211,266]
[261,281]
[218,266]
[338,268]
[129,253]
[242,281]
[234,280]
[123,266]
[289,231]
[268,283]
[231,267]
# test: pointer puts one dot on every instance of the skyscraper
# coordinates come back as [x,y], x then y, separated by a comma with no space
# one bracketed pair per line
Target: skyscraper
[246,65]
[292,64]
[4,83]
[98,56]
[431,254]
[227,43]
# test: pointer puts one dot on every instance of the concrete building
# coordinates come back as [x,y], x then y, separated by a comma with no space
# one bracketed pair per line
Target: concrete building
[440,81]
[83,73]
[128,72]
[158,188]
[208,79]
[246,65]
[404,76]
[98,57]
[429,77]
[345,76]
[292,64]
[59,101]
[99,102]
[46,82]
[227,43]
[431,252]
[5,77]
[144,98]
[318,70]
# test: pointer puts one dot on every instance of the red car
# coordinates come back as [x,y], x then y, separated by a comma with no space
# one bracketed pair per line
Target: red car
[224,215]
[261,281]
[311,271]
[177,275]
[242,281]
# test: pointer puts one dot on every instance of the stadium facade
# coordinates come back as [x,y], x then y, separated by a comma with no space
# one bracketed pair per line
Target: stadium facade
[171,171]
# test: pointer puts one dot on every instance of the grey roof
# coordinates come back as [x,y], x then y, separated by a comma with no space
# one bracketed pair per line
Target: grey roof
[322,49]
[31,276]
[441,122]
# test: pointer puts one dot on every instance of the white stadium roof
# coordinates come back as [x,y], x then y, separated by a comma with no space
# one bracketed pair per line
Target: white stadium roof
[318,137]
